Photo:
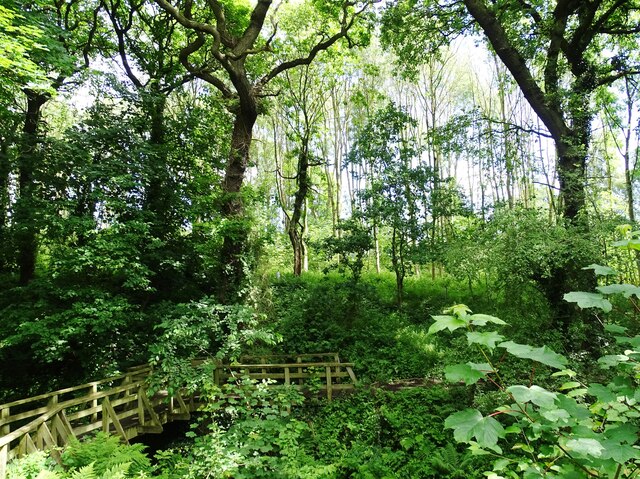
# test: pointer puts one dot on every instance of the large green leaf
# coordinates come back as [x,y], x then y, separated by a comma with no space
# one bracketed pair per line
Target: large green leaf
[612,360]
[487,432]
[447,322]
[470,423]
[601,270]
[585,446]
[603,393]
[543,355]
[470,373]
[535,394]
[588,300]
[627,290]
[488,339]
[483,319]
[633,243]
[462,423]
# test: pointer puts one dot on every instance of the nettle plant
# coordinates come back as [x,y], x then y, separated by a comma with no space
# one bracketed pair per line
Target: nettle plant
[578,430]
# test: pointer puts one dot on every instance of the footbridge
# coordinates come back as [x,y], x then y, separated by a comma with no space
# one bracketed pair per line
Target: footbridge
[122,405]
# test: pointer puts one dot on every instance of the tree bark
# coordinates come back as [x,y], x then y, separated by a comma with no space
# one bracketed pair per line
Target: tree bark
[28,163]
[296,226]
[236,230]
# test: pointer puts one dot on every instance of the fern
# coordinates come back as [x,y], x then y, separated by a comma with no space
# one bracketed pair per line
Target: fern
[448,462]
[86,472]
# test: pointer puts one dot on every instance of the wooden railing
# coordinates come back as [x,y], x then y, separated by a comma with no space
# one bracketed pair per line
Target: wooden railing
[324,369]
[117,405]
[120,405]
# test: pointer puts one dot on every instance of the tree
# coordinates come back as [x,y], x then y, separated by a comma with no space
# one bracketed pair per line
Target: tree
[397,194]
[559,55]
[225,48]
[68,37]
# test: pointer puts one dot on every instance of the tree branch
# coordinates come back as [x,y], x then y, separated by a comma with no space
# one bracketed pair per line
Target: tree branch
[345,25]
[516,64]
[253,30]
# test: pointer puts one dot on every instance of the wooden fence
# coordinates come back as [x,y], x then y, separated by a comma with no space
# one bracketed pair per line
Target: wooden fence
[120,405]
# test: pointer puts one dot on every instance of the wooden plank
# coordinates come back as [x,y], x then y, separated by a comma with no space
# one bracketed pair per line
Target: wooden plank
[23,415]
[5,428]
[4,458]
[44,438]
[94,403]
[106,407]
[26,446]
[351,374]
[155,420]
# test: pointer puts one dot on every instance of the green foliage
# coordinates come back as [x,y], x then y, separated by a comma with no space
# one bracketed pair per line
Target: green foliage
[351,245]
[99,457]
[329,313]
[104,453]
[579,428]
[17,38]
[202,329]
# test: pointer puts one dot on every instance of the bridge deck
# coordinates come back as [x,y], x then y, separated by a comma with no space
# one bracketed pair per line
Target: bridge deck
[120,405]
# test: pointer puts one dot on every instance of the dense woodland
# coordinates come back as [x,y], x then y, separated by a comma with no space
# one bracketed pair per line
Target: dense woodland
[191,178]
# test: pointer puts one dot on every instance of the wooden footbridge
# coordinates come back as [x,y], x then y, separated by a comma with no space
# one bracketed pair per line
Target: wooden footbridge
[121,405]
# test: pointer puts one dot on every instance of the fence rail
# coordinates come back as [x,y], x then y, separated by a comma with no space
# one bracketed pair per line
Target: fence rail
[120,404]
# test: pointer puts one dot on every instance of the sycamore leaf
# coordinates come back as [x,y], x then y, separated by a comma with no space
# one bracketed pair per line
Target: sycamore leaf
[603,393]
[483,319]
[459,310]
[535,394]
[585,446]
[470,373]
[470,423]
[600,270]
[543,355]
[611,360]
[487,432]
[620,453]
[462,423]
[627,290]
[615,328]
[446,322]
[589,300]
[488,339]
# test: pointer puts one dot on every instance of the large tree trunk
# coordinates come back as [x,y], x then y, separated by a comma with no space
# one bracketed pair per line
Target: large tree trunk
[236,231]
[28,159]
[158,193]
[296,226]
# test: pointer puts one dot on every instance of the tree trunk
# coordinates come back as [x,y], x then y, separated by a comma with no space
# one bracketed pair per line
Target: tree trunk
[236,231]
[157,195]
[296,227]
[28,162]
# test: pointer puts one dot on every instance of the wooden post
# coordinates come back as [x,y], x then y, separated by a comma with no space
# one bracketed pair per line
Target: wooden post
[4,458]
[4,416]
[329,385]
[217,375]
[299,360]
[287,376]
[94,403]
[141,420]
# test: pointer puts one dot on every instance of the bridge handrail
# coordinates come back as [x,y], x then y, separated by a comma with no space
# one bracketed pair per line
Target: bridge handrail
[20,402]
[32,426]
